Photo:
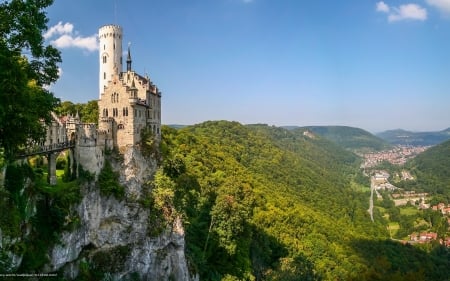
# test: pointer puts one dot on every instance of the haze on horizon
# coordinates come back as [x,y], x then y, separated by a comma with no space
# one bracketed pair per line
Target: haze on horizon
[369,64]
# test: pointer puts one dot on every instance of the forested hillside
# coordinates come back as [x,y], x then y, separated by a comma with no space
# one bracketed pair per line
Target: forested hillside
[432,170]
[351,138]
[265,202]
[403,137]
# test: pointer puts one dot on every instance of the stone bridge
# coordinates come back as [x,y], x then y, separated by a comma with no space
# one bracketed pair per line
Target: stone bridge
[50,151]
[60,136]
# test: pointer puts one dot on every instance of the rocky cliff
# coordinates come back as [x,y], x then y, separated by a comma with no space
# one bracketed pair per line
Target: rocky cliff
[115,238]
[114,235]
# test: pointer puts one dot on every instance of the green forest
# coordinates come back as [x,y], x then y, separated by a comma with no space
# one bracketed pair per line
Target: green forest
[264,202]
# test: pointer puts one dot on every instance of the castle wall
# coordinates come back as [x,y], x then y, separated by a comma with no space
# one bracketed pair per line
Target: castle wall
[91,158]
[89,148]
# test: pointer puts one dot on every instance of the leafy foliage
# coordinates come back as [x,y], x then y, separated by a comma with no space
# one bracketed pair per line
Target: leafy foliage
[24,102]
[108,182]
[88,112]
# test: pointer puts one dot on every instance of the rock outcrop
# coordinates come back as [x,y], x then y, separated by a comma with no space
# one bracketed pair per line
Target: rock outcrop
[114,235]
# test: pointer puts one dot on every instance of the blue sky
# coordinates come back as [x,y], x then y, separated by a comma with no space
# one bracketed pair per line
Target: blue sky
[369,64]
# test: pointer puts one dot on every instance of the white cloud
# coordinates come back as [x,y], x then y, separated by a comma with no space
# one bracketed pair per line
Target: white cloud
[67,39]
[403,12]
[408,12]
[443,5]
[382,7]
[59,29]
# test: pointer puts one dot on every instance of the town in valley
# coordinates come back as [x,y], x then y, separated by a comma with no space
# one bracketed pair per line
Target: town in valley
[383,187]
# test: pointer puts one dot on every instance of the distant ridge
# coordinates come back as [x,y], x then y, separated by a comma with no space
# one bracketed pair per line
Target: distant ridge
[403,137]
[176,126]
[350,138]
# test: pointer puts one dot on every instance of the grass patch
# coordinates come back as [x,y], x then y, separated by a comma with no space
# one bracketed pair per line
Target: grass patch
[409,211]
[359,187]
[393,228]
[59,173]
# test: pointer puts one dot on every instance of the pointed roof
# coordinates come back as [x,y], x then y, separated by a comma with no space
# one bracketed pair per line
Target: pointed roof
[129,58]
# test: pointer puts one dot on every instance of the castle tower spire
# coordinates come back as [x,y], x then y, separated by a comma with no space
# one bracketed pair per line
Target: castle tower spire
[129,58]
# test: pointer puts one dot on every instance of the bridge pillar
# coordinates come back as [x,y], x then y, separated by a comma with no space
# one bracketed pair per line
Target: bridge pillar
[51,176]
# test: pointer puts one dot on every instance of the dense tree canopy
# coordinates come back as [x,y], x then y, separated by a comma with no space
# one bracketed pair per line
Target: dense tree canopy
[28,65]
[267,203]
[431,169]
[88,112]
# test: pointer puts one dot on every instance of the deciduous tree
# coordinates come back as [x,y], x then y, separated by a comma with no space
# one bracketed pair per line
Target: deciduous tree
[28,65]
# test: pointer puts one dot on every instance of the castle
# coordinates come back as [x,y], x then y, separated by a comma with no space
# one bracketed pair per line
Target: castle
[128,103]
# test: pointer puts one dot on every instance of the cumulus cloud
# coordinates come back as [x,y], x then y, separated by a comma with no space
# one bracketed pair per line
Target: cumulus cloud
[442,5]
[402,12]
[59,29]
[67,38]
[408,11]
[382,7]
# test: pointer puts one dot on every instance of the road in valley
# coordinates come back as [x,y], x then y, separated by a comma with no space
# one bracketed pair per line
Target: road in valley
[372,188]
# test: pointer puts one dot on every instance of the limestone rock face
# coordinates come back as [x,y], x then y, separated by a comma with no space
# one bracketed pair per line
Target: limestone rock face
[114,235]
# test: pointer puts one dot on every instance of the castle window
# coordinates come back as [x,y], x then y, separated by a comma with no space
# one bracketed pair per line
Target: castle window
[104,59]
[104,75]
[104,47]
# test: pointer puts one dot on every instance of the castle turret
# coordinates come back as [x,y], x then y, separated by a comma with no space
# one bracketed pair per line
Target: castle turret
[110,50]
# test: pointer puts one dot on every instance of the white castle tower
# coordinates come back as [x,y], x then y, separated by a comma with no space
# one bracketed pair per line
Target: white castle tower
[110,50]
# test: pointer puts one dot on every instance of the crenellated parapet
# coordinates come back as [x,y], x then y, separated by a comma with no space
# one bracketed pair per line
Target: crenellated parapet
[86,134]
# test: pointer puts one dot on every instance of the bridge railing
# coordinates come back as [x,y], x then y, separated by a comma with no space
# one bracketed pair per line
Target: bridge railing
[43,149]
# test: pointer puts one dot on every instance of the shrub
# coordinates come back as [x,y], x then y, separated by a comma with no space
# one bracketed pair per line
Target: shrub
[108,182]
